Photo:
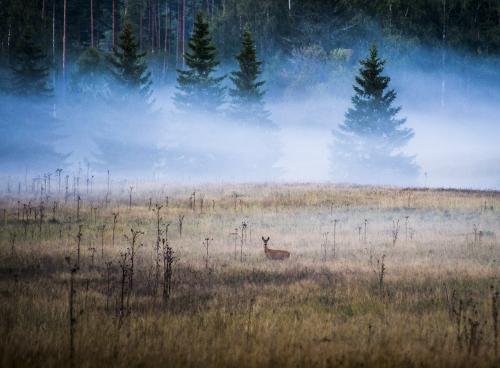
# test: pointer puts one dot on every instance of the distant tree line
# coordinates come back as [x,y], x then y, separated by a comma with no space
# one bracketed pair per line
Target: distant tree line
[112,51]
[65,29]
[198,88]
[117,87]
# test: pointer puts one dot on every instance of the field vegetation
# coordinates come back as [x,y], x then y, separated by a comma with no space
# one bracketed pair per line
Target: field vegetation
[151,275]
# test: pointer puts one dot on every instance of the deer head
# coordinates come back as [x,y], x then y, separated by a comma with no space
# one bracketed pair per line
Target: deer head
[265,242]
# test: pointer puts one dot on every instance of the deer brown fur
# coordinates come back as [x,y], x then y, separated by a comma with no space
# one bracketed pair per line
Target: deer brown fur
[275,255]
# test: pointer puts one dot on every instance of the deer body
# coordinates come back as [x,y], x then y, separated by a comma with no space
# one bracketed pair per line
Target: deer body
[275,255]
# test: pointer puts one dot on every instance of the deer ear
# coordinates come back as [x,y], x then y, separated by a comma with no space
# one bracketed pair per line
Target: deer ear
[263,239]
[267,239]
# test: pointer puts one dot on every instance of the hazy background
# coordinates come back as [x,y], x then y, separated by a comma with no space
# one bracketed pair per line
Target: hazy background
[449,93]
[457,128]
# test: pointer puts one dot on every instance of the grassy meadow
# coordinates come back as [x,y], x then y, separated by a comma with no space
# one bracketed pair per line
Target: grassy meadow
[378,277]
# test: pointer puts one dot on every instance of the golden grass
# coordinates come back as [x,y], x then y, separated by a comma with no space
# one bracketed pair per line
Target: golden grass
[433,308]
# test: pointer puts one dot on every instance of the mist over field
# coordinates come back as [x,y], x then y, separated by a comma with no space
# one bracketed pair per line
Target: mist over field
[448,94]
[254,184]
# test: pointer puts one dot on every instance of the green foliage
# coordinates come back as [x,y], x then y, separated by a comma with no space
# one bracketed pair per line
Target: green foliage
[472,26]
[247,96]
[29,68]
[91,61]
[269,20]
[134,11]
[312,69]
[324,23]
[371,137]
[197,87]
[130,68]
[89,78]
[372,114]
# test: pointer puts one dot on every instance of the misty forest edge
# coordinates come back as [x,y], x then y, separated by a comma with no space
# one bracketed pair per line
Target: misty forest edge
[114,53]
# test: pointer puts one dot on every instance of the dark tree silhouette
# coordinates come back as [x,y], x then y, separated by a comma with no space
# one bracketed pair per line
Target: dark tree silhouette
[28,127]
[247,95]
[129,66]
[197,87]
[90,77]
[30,73]
[367,145]
[128,149]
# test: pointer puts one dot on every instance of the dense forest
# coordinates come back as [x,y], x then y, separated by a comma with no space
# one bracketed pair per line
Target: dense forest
[66,28]
[60,62]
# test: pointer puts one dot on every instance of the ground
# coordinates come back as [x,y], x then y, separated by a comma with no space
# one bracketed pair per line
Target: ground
[379,277]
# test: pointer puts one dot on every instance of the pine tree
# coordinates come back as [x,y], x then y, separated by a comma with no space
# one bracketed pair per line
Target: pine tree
[29,128]
[247,96]
[133,113]
[130,68]
[368,144]
[30,73]
[197,87]
[89,78]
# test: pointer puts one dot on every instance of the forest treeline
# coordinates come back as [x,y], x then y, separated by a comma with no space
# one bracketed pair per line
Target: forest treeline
[66,28]
[79,79]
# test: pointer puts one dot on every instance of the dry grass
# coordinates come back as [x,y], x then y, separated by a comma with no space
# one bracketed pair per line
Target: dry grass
[434,305]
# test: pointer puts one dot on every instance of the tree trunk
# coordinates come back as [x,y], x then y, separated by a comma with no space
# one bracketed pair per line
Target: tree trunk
[91,23]
[150,25]
[193,9]
[65,9]
[165,41]
[158,25]
[180,33]
[140,29]
[165,45]
[54,40]
[443,57]
[113,25]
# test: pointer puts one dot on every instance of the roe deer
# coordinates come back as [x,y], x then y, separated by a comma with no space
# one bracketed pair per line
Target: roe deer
[275,255]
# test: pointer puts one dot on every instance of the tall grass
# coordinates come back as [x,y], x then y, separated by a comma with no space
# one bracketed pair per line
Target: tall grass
[364,298]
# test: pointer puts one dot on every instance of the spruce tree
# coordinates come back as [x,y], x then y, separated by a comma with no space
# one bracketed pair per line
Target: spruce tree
[89,78]
[247,96]
[197,87]
[133,113]
[367,145]
[130,68]
[30,73]
[30,131]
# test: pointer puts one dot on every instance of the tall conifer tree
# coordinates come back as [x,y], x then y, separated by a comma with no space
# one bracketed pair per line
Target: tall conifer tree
[30,73]
[197,87]
[130,68]
[368,143]
[247,94]
[28,128]
[133,112]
